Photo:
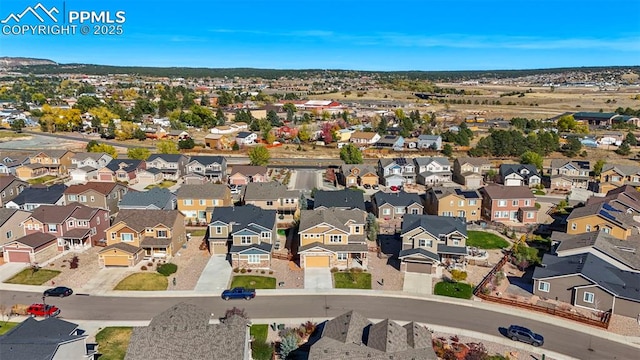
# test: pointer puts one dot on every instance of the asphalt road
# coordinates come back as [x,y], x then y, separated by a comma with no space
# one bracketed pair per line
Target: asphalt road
[559,339]
[306,180]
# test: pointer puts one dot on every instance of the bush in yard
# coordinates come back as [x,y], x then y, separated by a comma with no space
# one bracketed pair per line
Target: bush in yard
[243,270]
[458,275]
[261,350]
[334,269]
[167,269]
[73,264]
[270,272]
[150,264]
[288,344]
[143,268]
[236,270]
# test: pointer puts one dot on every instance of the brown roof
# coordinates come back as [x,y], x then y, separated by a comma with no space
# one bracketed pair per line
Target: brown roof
[249,170]
[76,233]
[141,219]
[473,161]
[507,192]
[363,135]
[153,242]
[57,214]
[123,247]
[6,180]
[203,191]
[103,188]
[36,240]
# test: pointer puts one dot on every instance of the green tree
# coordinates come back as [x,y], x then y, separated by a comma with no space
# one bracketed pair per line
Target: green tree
[304,134]
[597,167]
[91,144]
[572,147]
[139,134]
[631,139]
[259,155]
[221,119]
[624,149]
[273,119]
[447,150]
[350,154]
[567,123]
[382,125]
[533,158]
[17,125]
[373,228]
[138,153]
[167,147]
[98,148]
[111,130]
[187,143]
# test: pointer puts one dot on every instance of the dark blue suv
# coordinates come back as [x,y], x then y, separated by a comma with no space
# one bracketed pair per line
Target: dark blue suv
[239,293]
[520,333]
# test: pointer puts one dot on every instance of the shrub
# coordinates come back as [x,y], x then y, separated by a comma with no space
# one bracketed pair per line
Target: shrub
[289,343]
[143,268]
[270,272]
[167,269]
[236,270]
[249,270]
[73,264]
[243,270]
[458,275]
[263,272]
[334,269]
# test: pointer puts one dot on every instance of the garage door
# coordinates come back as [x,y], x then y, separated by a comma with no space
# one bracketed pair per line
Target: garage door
[419,268]
[19,256]
[316,261]
[219,248]
[116,261]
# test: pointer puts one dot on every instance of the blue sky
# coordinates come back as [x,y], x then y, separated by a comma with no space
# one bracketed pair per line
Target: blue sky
[347,34]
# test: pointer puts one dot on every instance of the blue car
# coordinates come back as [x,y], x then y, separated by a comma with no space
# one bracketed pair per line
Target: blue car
[239,293]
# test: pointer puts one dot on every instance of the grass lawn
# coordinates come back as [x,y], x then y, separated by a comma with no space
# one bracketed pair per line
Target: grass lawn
[113,342]
[282,232]
[30,277]
[165,184]
[453,289]
[485,240]
[11,135]
[41,180]
[198,232]
[253,282]
[352,280]
[259,332]
[5,326]
[147,281]
[538,192]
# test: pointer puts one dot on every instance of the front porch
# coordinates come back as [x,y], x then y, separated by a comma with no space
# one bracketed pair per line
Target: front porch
[156,248]
[338,256]
[76,240]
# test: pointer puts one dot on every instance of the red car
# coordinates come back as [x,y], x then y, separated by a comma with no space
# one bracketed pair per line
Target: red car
[394,188]
[43,310]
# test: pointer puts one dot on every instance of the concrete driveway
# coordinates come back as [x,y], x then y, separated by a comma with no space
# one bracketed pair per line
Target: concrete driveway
[215,275]
[318,278]
[417,283]
[7,270]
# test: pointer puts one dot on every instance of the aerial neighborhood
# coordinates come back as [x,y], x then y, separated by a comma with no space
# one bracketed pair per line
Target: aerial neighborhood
[142,183]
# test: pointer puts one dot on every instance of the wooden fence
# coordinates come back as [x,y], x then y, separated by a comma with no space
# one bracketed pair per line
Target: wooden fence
[281,256]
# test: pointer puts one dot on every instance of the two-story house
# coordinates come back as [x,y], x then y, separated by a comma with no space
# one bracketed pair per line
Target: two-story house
[428,240]
[519,175]
[156,198]
[272,195]
[246,138]
[247,233]
[393,206]
[509,204]
[75,226]
[11,225]
[396,172]
[433,170]
[568,174]
[344,199]
[143,234]
[430,142]
[32,197]
[10,188]
[357,175]
[122,170]
[8,165]
[333,238]
[615,175]
[470,172]
[49,162]
[614,219]
[447,201]
[363,139]
[172,166]
[210,168]
[197,202]
[244,174]
[104,195]
[95,160]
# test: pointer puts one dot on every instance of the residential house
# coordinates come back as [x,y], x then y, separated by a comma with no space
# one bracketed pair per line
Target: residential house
[393,206]
[358,175]
[352,336]
[246,138]
[11,225]
[104,195]
[213,168]
[82,175]
[219,141]
[568,174]
[433,170]
[197,202]
[622,254]
[612,218]
[345,199]
[172,166]
[197,338]
[447,201]
[391,142]
[470,171]
[138,234]
[49,162]
[34,248]
[396,172]
[508,204]
[286,132]
[32,197]
[333,238]
[122,170]
[50,338]
[429,240]
[8,165]
[615,175]
[75,226]
[10,188]
[519,175]
[364,139]
[94,160]
[156,198]
[247,233]
[430,142]
[272,196]
[244,174]
[178,135]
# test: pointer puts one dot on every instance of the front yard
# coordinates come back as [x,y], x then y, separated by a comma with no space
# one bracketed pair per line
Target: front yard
[352,280]
[5,326]
[486,240]
[41,180]
[453,289]
[148,281]
[113,342]
[253,282]
[33,277]
[165,184]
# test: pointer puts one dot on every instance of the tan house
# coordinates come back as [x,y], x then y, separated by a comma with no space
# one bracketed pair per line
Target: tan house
[611,218]
[470,172]
[50,162]
[333,238]
[11,225]
[32,249]
[272,196]
[244,174]
[10,188]
[104,195]
[197,202]
[364,139]
[143,234]
[358,175]
[615,175]
[446,201]
[573,172]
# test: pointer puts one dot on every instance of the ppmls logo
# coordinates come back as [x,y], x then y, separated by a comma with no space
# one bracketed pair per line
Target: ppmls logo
[40,20]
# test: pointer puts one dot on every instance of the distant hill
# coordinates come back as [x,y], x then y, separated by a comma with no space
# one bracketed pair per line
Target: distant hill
[12,62]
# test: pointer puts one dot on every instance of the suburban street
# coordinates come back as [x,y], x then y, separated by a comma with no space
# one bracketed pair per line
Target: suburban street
[306,180]
[557,338]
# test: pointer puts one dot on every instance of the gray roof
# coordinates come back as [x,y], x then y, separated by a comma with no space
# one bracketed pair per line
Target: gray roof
[435,225]
[262,247]
[361,247]
[346,198]
[244,216]
[184,332]
[473,161]
[508,169]
[37,340]
[249,170]
[334,217]
[397,199]
[495,191]
[122,246]
[156,196]
[128,164]
[425,137]
[625,251]
[141,219]
[578,164]
[169,158]
[204,191]
[363,169]
[268,191]
[6,214]
[208,160]
[421,251]
[624,284]
[89,155]
[423,161]
[623,169]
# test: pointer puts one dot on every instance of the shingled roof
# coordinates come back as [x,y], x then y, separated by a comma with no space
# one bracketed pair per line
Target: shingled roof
[139,220]
[36,340]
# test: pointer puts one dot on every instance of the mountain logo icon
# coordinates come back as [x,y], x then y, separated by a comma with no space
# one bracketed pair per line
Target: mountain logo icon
[39,11]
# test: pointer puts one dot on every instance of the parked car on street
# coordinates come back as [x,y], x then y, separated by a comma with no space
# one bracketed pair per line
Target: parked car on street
[366,186]
[35,310]
[60,291]
[239,293]
[521,333]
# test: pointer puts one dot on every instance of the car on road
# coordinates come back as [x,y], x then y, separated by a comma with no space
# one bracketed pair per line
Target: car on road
[375,187]
[521,333]
[366,186]
[394,188]
[239,293]
[60,291]
[43,310]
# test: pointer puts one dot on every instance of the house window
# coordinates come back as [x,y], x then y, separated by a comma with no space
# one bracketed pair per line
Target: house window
[83,198]
[543,286]
[253,258]
[606,230]
[514,202]
[356,229]
[269,203]
[496,214]
[10,191]
[245,239]
[342,256]
[265,235]
[588,297]
[29,227]
[461,203]
[126,237]
[52,227]
[70,223]
[530,214]
[98,220]
[161,234]
[527,203]
[149,230]
[386,211]
[9,234]
[456,242]
[414,211]
[472,202]
[502,203]
[574,226]
[73,197]
[335,238]
[588,228]
[4,194]
[425,243]
[203,202]
[187,202]
[93,199]
[218,229]
[399,210]
[93,231]
[447,213]
[113,236]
